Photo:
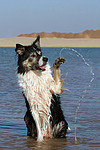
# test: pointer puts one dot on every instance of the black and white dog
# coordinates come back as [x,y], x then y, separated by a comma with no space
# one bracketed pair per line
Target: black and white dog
[44,117]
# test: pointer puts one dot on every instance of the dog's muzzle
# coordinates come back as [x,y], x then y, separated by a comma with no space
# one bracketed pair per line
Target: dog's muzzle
[42,63]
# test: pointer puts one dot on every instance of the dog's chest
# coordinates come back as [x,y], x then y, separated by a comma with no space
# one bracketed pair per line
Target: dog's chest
[37,88]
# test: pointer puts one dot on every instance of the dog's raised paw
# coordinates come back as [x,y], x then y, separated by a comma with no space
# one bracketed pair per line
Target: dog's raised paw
[59,61]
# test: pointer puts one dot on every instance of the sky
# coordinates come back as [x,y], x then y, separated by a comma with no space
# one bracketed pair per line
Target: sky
[28,16]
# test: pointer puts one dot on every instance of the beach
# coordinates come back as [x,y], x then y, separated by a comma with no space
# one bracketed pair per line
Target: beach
[51,42]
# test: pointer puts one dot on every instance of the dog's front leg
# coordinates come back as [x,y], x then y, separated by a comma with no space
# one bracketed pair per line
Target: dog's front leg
[57,75]
[38,125]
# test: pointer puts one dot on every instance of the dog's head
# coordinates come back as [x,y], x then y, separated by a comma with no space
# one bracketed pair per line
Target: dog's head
[30,57]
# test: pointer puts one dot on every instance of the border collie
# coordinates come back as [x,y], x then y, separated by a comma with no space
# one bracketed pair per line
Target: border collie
[44,117]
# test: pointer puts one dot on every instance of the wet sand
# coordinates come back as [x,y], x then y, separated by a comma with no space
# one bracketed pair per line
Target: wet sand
[51,42]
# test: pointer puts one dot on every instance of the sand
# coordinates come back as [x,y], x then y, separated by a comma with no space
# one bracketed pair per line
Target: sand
[51,42]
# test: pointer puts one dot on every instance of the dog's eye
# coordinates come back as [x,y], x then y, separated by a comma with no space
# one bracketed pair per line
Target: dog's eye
[33,55]
[30,60]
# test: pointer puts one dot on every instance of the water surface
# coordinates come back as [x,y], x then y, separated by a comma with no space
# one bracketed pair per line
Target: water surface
[83,96]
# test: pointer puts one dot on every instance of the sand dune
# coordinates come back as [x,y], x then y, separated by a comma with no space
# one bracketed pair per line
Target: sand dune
[51,42]
[85,34]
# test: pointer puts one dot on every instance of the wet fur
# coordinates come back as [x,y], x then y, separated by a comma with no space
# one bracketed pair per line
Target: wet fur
[44,117]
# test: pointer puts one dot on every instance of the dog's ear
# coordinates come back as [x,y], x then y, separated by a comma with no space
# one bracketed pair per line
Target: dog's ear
[20,49]
[37,42]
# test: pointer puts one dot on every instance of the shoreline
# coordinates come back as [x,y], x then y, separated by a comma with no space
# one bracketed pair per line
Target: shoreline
[51,42]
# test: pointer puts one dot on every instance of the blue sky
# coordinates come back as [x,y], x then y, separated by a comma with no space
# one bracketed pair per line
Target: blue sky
[28,16]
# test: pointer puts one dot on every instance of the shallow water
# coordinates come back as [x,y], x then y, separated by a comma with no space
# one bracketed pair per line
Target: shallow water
[83,96]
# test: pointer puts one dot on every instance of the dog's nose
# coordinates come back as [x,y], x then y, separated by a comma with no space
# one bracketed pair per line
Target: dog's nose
[45,59]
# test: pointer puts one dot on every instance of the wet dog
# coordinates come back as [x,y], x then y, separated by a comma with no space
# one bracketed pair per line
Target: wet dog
[44,117]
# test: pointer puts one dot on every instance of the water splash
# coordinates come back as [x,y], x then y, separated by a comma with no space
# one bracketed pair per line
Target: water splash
[85,91]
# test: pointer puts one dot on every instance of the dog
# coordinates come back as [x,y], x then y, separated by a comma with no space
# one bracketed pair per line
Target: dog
[44,117]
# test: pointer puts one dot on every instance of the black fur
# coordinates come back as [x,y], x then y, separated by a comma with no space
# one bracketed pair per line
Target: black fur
[29,120]
[58,116]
